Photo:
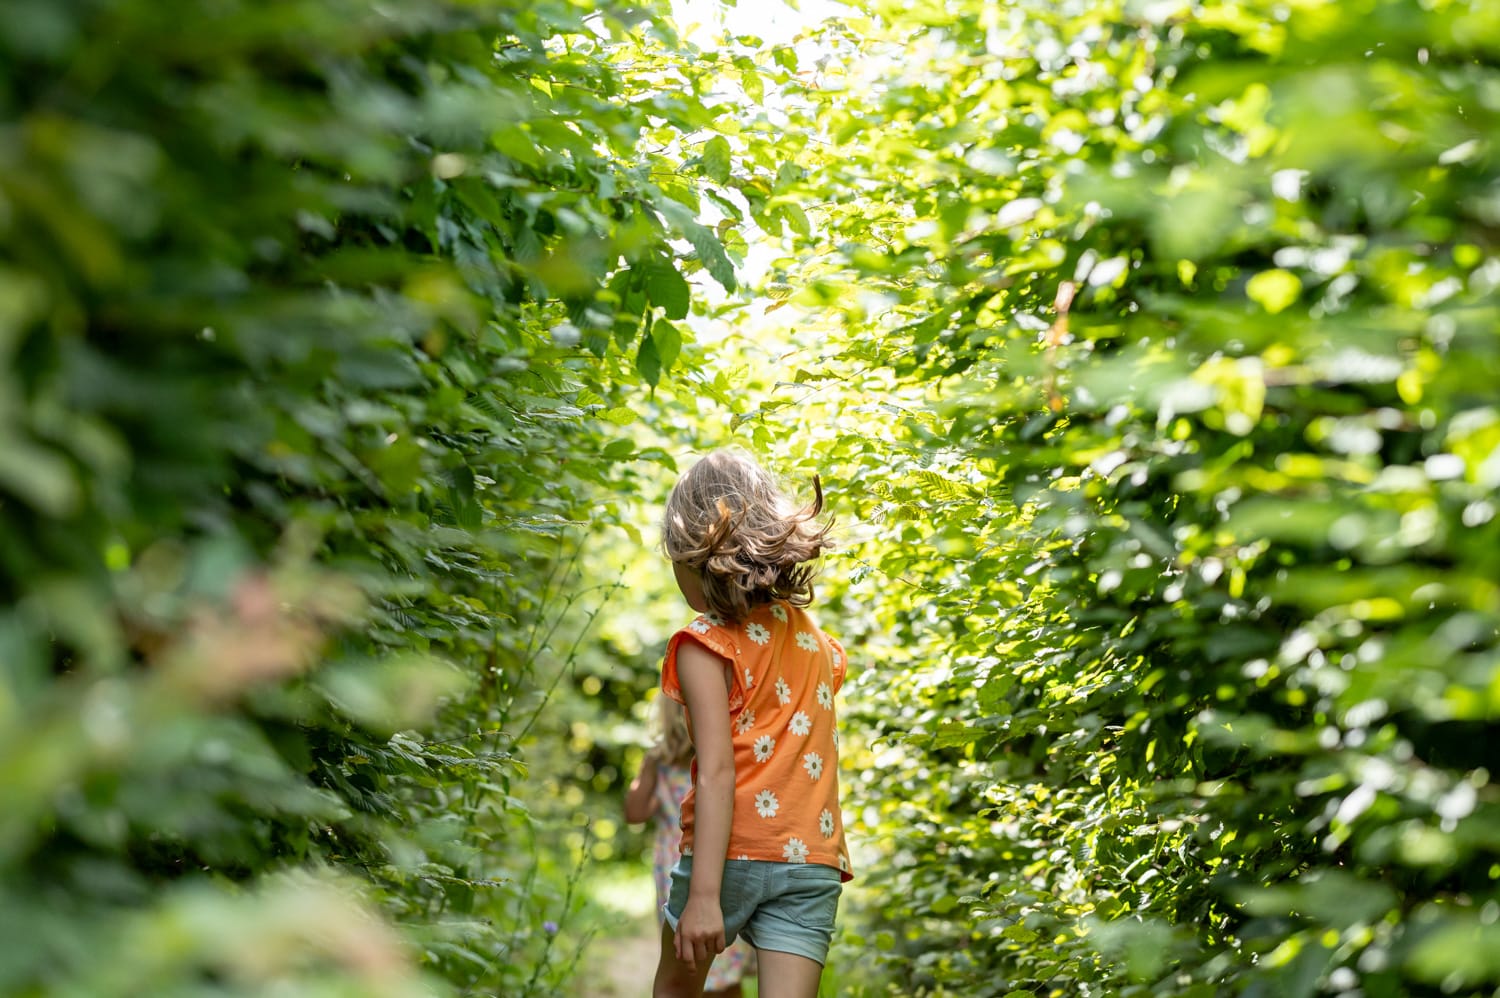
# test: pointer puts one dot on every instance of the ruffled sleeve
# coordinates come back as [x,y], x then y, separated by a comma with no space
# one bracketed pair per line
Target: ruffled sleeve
[840,661]
[716,638]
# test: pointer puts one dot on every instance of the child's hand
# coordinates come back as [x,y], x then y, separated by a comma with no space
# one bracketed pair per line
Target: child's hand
[640,803]
[700,931]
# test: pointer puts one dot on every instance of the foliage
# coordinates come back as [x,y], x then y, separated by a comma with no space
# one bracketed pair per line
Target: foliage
[1146,349]
[1182,627]
[320,322]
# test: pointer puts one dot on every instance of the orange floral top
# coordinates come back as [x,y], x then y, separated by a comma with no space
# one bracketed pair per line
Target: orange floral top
[785,672]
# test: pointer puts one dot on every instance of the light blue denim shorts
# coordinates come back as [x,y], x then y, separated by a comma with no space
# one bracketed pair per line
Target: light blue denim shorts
[783,907]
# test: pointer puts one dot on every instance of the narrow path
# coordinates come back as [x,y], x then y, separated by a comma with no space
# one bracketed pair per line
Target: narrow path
[621,966]
[621,960]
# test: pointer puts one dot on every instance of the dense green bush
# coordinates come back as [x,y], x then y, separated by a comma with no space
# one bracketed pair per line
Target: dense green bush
[319,320]
[1181,633]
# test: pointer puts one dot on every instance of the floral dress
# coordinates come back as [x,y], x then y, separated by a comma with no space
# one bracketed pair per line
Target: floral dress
[672,785]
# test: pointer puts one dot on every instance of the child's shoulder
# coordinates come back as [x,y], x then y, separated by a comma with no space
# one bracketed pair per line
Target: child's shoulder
[713,632]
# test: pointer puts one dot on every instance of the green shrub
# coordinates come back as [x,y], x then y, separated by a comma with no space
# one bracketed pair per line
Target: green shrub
[1181,616]
[319,321]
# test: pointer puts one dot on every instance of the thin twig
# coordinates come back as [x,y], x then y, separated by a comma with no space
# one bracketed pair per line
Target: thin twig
[569,659]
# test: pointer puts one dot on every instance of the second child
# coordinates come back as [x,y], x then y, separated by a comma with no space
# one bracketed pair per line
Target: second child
[656,796]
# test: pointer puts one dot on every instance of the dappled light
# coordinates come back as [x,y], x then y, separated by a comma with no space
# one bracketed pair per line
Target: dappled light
[1144,351]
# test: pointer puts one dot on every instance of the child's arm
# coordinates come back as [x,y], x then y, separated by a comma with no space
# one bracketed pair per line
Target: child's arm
[705,686]
[639,802]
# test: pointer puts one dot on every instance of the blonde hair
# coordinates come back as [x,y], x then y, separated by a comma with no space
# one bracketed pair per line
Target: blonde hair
[728,520]
[674,745]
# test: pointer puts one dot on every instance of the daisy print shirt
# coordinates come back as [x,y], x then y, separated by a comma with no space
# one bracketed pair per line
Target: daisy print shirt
[784,674]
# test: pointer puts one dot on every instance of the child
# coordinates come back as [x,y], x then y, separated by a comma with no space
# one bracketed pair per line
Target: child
[763,850]
[657,793]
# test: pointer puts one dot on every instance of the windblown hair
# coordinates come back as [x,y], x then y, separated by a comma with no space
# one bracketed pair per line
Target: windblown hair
[674,744]
[728,520]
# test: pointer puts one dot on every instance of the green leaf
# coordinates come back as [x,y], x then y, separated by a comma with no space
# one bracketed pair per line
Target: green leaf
[714,163]
[750,79]
[666,288]
[728,207]
[668,341]
[710,251]
[796,218]
[620,415]
[951,734]
[648,361]
[513,141]
[466,512]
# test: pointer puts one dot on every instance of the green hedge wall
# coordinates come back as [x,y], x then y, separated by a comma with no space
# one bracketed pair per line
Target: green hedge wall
[1182,606]
[319,321]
